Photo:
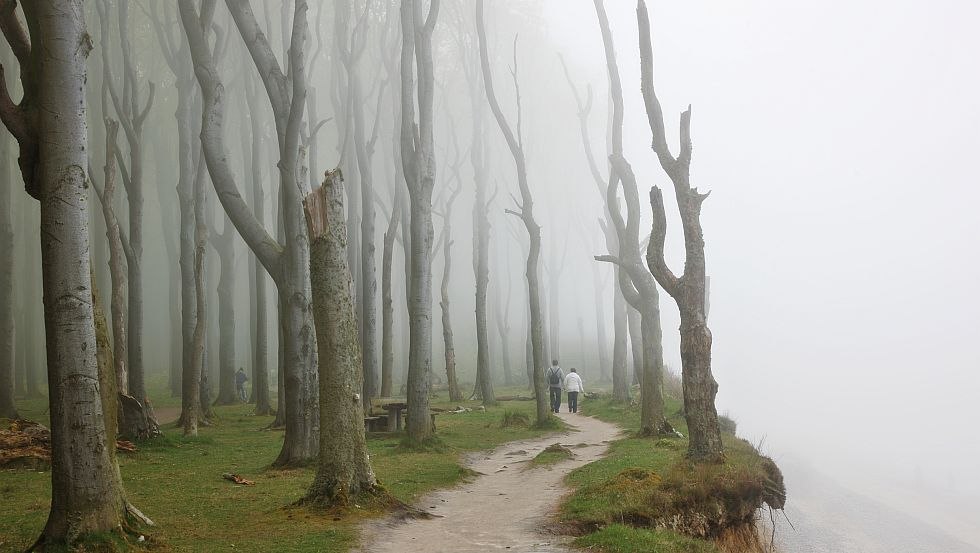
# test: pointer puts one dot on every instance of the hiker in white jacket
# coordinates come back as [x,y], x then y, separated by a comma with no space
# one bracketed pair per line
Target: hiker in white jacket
[573,385]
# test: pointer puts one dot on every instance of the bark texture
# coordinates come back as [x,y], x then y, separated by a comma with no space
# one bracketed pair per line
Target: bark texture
[688,290]
[343,468]
[418,160]
[526,215]
[50,126]
[224,244]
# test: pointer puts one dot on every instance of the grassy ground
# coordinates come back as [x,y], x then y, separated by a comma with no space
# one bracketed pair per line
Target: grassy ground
[618,498]
[177,482]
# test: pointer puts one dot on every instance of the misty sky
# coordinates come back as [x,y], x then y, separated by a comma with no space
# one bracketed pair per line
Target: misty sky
[838,141]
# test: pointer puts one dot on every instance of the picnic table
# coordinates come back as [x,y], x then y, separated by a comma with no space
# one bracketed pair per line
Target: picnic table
[394,415]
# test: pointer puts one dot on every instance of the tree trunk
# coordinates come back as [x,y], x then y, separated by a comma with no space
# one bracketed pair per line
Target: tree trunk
[690,290]
[481,254]
[387,305]
[418,159]
[259,277]
[633,319]
[7,407]
[527,217]
[50,125]
[343,469]
[602,340]
[227,364]
[447,325]
[621,386]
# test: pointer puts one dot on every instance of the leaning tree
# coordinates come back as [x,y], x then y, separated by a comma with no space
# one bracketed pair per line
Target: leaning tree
[689,289]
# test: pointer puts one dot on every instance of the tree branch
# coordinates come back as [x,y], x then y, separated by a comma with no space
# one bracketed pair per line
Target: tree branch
[655,250]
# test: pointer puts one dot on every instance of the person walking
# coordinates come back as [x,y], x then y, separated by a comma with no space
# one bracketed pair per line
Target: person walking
[555,378]
[240,379]
[573,385]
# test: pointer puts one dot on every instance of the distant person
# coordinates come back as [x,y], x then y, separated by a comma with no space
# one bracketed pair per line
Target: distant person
[555,378]
[573,385]
[240,380]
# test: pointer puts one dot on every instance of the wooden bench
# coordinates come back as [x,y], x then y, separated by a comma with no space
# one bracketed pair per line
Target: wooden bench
[375,423]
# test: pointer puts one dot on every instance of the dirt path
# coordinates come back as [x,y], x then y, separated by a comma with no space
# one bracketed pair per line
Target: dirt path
[505,508]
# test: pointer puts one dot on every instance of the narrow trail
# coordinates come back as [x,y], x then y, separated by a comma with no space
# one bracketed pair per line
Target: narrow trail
[506,508]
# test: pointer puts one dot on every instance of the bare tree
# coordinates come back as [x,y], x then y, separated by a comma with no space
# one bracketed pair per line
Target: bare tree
[447,244]
[224,244]
[117,257]
[525,213]
[418,160]
[132,111]
[86,491]
[259,276]
[287,263]
[688,290]
[621,384]
[343,469]
[639,289]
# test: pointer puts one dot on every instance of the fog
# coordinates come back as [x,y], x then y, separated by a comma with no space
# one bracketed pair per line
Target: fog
[837,140]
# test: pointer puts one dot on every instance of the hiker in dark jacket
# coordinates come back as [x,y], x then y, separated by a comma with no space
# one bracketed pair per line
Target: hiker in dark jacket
[240,380]
[555,378]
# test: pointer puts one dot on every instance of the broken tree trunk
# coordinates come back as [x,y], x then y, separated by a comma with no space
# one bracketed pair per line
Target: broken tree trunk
[343,468]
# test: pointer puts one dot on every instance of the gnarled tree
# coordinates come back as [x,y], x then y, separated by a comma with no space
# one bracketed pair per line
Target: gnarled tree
[688,290]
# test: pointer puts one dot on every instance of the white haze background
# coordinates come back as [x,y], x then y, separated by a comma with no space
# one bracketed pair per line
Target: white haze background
[839,141]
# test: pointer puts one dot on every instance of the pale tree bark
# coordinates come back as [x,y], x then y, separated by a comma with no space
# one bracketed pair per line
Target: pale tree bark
[288,263]
[132,112]
[7,354]
[447,326]
[636,283]
[479,154]
[501,316]
[525,214]
[343,468]
[117,257]
[688,290]
[49,124]
[259,276]
[224,245]
[418,159]
[621,385]
[176,52]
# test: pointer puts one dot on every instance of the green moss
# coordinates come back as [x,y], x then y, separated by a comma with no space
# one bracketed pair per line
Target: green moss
[554,453]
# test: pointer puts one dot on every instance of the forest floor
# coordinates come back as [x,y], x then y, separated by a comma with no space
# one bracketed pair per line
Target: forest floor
[177,481]
[509,506]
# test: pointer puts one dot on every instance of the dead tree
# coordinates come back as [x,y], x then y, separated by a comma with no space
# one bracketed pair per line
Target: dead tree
[87,495]
[132,111]
[638,286]
[343,468]
[621,385]
[688,290]
[525,213]
[287,263]
[418,159]
[447,326]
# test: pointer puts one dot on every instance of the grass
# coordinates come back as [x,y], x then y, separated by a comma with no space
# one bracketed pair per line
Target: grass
[177,482]
[554,453]
[624,502]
